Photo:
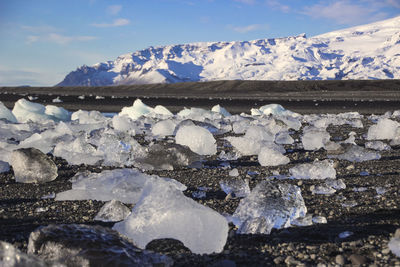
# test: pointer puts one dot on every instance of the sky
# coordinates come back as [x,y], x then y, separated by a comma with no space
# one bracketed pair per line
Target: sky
[41,41]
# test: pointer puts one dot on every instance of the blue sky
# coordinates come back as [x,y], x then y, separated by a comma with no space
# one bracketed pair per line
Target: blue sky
[43,40]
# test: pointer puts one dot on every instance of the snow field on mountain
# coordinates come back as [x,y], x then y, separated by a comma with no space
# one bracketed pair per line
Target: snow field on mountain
[142,138]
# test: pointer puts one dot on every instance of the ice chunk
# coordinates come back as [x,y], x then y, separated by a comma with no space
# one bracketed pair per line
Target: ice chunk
[377,145]
[125,185]
[284,138]
[30,165]
[317,170]
[356,153]
[269,206]
[26,111]
[58,113]
[234,172]
[314,138]
[57,100]
[136,110]
[274,109]
[163,128]
[4,166]
[336,184]
[78,152]
[88,117]
[245,146]
[258,133]
[13,257]
[221,110]
[319,220]
[303,221]
[161,110]
[124,124]
[5,113]
[271,157]
[198,139]
[168,157]
[384,129]
[163,211]
[345,234]
[85,245]
[322,189]
[394,243]
[113,211]
[236,187]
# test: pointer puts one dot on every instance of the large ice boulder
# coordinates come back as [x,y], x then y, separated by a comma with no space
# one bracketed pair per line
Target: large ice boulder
[268,206]
[5,113]
[198,139]
[30,165]
[58,113]
[163,211]
[125,185]
[384,129]
[85,245]
[25,110]
[317,170]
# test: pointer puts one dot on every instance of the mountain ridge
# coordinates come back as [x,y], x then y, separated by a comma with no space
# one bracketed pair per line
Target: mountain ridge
[369,51]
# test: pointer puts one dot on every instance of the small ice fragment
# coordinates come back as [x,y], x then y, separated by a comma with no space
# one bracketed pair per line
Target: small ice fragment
[113,211]
[32,98]
[303,221]
[4,166]
[198,139]
[314,138]
[317,170]
[81,97]
[271,157]
[199,194]
[234,172]
[360,189]
[163,211]
[364,173]
[322,190]
[284,138]
[99,97]
[349,203]
[356,153]
[394,243]
[236,187]
[268,206]
[377,145]
[336,184]
[319,220]
[221,110]
[49,196]
[41,209]
[345,234]
[228,156]
[380,190]
[30,165]
[136,110]
[253,173]
[57,100]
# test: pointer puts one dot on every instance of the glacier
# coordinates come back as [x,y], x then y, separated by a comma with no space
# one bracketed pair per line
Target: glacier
[369,51]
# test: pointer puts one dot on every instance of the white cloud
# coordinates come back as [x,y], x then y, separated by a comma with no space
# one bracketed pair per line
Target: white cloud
[248,2]
[115,23]
[58,38]
[249,28]
[346,11]
[114,9]
[275,4]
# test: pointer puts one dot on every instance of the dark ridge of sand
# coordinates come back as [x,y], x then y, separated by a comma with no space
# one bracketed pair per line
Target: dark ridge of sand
[364,96]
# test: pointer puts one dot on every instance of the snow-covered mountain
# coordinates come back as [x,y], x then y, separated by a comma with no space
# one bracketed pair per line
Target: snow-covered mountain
[364,52]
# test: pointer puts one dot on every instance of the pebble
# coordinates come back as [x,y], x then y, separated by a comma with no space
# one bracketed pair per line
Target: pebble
[340,260]
[357,259]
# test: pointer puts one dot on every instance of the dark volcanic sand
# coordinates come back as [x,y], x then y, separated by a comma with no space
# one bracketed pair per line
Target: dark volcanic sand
[373,220]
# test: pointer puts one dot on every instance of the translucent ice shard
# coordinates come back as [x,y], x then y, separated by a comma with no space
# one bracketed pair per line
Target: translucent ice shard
[5,113]
[13,257]
[221,110]
[113,211]
[269,206]
[271,157]
[317,170]
[198,139]
[163,128]
[125,185]
[314,138]
[384,129]
[356,153]
[377,145]
[84,245]
[235,186]
[30,165]
[165,212]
